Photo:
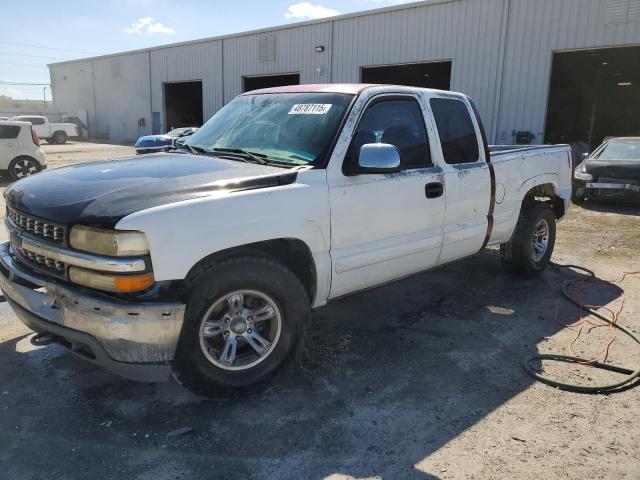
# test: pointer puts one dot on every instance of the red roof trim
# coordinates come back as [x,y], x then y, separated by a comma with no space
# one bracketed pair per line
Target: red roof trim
[349,88]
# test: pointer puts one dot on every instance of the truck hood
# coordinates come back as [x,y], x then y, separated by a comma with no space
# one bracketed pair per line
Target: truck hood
[101,193]
[623,169]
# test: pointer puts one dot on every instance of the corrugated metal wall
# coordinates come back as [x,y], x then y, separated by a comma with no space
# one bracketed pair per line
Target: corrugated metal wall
[536,29]
[466,32]
[501,53]
[294,53]
[117,114]
[72,86]
[201,61]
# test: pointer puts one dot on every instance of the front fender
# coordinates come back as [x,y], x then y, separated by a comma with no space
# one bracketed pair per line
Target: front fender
[183,233]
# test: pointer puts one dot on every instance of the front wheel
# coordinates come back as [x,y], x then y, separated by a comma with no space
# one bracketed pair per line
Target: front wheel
[529,251]
[245,318]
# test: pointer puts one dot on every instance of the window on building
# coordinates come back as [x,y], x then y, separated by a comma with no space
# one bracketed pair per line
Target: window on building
[455,128]
[9,131]
[397,122]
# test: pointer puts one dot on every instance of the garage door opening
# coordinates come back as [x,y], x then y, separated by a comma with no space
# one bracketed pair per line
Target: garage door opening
[183,104]
[425,75]
[267,81]
[594,94]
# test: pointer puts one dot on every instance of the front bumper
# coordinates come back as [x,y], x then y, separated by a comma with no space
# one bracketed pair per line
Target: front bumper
[612,190]
[155,149]
[134,339]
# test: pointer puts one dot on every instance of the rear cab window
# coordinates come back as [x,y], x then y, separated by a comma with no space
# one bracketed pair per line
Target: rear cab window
[457,134]
[8,132]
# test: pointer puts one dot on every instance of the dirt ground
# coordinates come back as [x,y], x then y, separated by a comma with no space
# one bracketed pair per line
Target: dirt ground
[416,380]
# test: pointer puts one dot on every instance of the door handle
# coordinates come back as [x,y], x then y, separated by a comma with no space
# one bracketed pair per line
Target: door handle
[433,190]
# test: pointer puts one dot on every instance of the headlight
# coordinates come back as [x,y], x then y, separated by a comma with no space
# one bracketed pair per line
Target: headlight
[112,243]
[581,173]
[111,283]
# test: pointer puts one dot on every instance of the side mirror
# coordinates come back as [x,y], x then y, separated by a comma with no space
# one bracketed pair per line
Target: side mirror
[378,158]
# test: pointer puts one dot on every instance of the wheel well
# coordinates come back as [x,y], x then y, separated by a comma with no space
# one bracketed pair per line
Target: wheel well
[59,131]
[290,252]
[545,193]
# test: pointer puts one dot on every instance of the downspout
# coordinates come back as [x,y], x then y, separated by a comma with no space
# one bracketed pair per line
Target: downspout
[497,105]
[93,92]
[150,95]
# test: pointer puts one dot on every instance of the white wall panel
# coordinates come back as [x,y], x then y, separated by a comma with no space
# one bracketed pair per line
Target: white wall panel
[121,86]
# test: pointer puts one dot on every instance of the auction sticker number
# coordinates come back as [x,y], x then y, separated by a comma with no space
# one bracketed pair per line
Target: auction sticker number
[310,109]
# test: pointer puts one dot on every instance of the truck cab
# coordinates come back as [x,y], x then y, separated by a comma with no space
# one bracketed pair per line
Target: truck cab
[51,132]
[206,261]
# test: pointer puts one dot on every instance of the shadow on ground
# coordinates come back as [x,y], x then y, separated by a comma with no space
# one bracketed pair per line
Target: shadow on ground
[392,376]
[621,208]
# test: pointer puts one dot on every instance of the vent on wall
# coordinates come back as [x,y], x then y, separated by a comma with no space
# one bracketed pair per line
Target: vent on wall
[623,11]
[267,48]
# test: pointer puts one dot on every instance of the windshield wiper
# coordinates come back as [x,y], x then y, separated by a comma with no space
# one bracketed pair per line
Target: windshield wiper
[251,157]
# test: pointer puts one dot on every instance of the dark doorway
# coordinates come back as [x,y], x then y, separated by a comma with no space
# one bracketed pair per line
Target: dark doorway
[594,94]
[266,81]
[183,104]
[426,75]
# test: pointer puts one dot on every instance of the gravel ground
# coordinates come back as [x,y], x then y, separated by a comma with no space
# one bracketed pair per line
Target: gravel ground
[416,380]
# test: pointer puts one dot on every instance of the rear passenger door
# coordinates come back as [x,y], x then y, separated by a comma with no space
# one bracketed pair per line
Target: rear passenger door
[467,178]
[385,226]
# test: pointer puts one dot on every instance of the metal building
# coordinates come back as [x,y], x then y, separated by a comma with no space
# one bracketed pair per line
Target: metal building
[563,70]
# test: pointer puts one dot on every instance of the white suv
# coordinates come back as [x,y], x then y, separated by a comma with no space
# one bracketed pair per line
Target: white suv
[20,152]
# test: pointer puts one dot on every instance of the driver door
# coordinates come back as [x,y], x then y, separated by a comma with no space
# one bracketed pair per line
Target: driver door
[386,226]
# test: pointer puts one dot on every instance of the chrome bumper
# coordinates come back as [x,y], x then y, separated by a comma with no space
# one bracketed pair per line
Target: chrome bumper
[120,336]
[614,186]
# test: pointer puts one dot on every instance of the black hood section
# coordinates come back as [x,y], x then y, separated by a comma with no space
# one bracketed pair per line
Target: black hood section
[624,169]
[100,194]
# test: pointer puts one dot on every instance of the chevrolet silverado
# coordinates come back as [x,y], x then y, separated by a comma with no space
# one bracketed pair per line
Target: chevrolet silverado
[205,262]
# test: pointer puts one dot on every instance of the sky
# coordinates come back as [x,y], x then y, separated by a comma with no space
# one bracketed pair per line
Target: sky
[39,32]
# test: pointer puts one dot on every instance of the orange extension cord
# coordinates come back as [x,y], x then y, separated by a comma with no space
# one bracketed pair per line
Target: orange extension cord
[586,322]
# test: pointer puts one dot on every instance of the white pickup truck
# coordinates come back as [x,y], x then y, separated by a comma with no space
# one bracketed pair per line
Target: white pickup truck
[205,261]
[51,132]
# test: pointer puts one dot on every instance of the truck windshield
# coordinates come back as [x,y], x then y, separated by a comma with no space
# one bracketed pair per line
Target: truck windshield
[619,150]
[288,129]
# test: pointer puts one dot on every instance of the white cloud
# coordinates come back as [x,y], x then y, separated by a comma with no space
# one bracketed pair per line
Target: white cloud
[309,10]
[147,25]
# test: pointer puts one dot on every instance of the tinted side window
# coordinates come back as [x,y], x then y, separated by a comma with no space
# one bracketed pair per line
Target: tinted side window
[37,121]
[399,123]
[9,131]
[457,135]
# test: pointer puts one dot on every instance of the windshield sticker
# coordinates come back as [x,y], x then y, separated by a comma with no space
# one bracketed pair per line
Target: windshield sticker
[310,109]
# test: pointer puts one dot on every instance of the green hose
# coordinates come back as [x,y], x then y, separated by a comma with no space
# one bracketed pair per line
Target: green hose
[630,375]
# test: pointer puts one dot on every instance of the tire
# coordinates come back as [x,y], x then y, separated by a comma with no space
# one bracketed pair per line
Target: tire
[50,141]
[524,254]
[59,137]
[200,362]
[21,167]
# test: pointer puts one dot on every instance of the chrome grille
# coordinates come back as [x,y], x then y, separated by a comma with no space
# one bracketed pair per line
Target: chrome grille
[39,228]
[41,261]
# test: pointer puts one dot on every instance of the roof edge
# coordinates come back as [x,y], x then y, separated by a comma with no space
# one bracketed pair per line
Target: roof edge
[346,16]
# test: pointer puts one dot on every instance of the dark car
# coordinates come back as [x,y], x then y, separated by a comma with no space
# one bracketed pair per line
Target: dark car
[162,143]
[611,172]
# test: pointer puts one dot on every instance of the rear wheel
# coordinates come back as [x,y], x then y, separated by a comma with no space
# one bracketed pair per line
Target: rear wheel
[22,167]
[529,251]
[245,319]
[59,137]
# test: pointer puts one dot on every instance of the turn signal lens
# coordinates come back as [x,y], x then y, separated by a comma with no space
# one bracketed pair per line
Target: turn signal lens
[111,283]
[113,243]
